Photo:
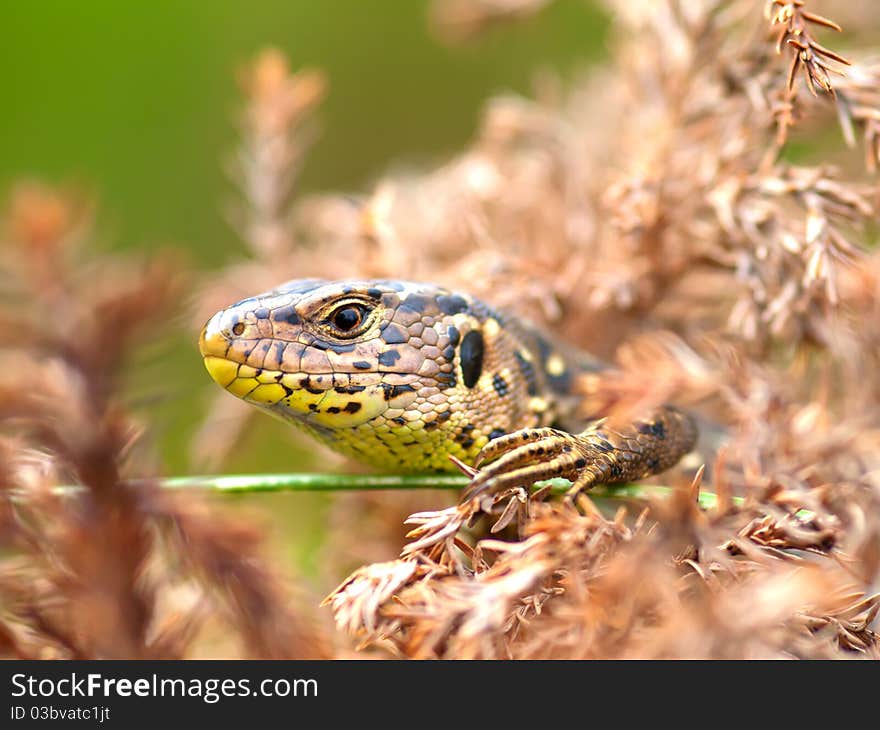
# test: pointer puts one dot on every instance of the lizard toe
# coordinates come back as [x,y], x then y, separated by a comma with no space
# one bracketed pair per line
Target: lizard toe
[523,438]
[554,455]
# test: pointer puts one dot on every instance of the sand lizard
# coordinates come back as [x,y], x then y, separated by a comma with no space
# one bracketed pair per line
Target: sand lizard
[403,375]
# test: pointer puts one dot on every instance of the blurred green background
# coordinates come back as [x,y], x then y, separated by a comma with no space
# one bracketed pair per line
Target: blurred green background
[137,102]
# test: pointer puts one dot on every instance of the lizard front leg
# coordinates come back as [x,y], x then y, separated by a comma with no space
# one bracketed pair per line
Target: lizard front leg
[599,455]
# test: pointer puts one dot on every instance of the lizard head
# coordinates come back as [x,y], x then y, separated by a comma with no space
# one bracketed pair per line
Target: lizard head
[388,372]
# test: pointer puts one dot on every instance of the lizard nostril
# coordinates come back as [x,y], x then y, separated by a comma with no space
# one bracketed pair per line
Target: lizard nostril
[214,339]
[238,328]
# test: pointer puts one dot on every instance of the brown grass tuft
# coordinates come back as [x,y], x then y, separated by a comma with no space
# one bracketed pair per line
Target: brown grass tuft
[107,568]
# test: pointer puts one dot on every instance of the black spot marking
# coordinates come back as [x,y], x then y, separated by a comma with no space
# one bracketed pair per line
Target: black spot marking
[388,358]
[399,420]
[313,406]
[361,365]
[446,380]
[405,310]
[451,303]
[334,346]
[444,416]
[471,354]
[287,391]
[580,463]
[616,471]
[604,446]
[561,383]
[468,427]
[496,433]
[545,350]
[350,389]
[392,391]
[467,443]
[431,425]
[261,313]
[306,384]
[418,303]
[374,293]
[528,372]
[653,464]
[449,353]
[500,385]
[287,314]
[333,409]
[352,407]
[454,335]
[394,334]
[656,429]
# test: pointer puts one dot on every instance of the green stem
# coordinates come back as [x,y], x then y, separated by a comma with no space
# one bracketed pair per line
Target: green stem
[315,482]
[247,483]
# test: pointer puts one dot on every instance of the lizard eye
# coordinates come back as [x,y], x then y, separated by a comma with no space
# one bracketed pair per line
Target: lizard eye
[348,318]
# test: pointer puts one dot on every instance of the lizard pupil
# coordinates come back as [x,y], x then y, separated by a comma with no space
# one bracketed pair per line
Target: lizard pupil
[471,354]
[347,318]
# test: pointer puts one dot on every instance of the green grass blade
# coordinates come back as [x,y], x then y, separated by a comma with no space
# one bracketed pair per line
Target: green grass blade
[251,483]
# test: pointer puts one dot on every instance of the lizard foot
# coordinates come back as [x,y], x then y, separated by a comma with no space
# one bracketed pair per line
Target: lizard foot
[524,457]
[598,455]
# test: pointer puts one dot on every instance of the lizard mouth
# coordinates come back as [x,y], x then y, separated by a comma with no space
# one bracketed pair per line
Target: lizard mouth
[328,399]
[331,400]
